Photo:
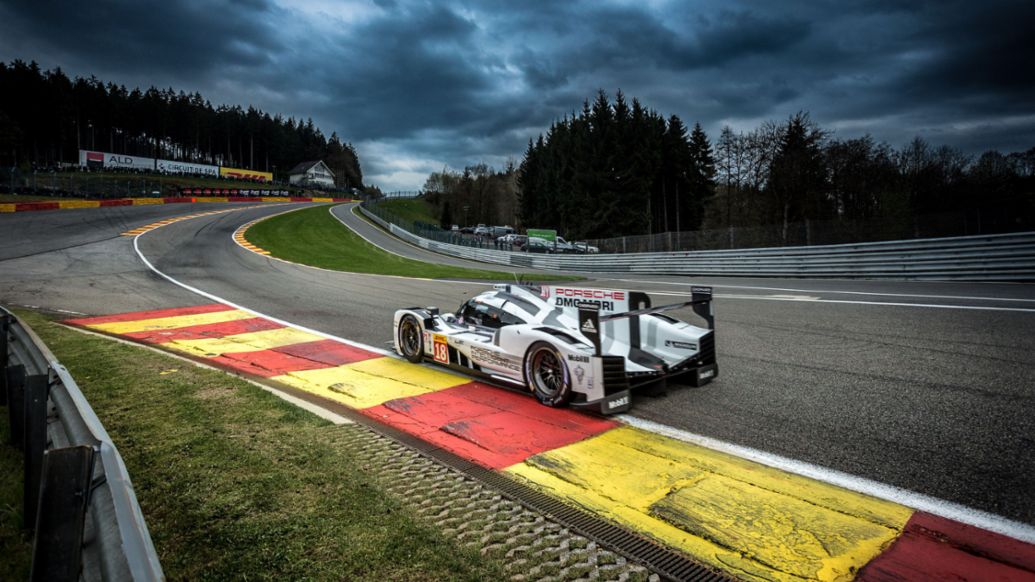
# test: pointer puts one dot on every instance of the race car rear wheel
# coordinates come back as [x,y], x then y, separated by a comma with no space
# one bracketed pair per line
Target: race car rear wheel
[411,339]
[547,375]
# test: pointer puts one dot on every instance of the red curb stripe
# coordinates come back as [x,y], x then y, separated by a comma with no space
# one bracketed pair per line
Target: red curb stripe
[137,315]
[328,352]
[203,331]
[490,426]
[30,206]
[119,202]
[935,548]
[293,358]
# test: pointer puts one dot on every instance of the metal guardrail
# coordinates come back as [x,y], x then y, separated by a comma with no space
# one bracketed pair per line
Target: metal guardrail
[78,500]
[999,257]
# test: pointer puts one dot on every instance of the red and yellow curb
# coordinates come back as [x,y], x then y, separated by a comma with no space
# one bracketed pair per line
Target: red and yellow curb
[168,221]
[751,521]
[73,204]
[240,239]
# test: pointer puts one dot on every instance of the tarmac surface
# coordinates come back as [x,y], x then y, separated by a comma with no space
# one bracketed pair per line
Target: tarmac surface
[925,386]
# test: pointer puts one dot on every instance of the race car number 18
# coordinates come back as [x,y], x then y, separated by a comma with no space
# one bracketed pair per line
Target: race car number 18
[441,349]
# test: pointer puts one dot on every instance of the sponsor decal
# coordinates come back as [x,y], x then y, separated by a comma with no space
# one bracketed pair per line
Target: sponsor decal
[705,374]
[492,358]
[680,345]
[579,372]
[578,358]
[590,293]
[588,327]
[701,290]
[586,304]
[95,157]
[441,352]
[544,292]
[618,402]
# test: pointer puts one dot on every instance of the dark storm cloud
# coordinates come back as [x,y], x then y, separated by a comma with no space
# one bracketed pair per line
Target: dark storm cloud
[419,84]
[165,38]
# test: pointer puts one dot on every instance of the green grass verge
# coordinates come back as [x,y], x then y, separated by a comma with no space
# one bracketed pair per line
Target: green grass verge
[235,483]
[313,237]
[411,209]
[15,544]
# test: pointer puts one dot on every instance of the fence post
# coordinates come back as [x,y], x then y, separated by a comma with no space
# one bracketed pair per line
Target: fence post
[5,327]
[35,428]
[64,495]
[15,379]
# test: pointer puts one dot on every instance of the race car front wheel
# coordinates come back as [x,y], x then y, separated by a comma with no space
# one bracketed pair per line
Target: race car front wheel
[547,375]
[411,339]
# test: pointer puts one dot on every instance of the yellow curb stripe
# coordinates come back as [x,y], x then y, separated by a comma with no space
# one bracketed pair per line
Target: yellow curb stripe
[371,382]
[244,342]
[143,201]
[747,519]
[163,323]
[7,208]
[79,204]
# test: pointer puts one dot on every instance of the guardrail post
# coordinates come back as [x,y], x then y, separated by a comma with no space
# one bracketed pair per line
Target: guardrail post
[15,379]
[35,441]
[5,328]
[64,495]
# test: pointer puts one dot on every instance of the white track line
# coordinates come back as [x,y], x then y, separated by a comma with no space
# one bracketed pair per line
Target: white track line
[873,293]
[807,299]
[935,506]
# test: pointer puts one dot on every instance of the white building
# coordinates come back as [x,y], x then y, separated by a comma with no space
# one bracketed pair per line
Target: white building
[311,174]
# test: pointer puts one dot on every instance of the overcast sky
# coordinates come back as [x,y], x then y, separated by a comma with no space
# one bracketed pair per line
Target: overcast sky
[417,86]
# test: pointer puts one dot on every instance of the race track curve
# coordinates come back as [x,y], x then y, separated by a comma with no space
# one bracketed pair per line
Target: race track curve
[923,386]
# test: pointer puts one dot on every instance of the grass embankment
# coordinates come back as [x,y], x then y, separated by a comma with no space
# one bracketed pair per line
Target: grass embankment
[15,544]
[411,209]
[238,484]
[313,237]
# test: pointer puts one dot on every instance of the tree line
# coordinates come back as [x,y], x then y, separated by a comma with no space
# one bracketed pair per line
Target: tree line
[615,170]
[46,117]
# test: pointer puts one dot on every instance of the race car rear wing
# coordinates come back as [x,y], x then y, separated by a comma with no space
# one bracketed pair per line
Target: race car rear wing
[590,318]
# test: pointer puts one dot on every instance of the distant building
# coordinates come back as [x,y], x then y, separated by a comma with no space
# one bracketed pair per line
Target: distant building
[311,174]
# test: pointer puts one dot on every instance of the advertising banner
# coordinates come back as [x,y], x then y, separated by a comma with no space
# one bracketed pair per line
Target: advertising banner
[92,159]
[171,167]
[245,174]
[543,233]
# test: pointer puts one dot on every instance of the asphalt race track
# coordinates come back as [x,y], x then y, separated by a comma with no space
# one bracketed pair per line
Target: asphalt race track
[925,386]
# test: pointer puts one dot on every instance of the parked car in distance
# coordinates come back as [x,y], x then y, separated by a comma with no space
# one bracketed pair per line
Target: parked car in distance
[498,231]
[455,228]
[514,240]
[562,246]
[467,230]
[585,248]
[482,230]
[538,245]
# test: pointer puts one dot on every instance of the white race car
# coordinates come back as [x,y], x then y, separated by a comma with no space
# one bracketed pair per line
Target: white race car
[582,347]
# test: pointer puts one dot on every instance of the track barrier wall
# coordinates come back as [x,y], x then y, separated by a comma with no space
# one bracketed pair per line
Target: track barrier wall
[994,257]
[78,500]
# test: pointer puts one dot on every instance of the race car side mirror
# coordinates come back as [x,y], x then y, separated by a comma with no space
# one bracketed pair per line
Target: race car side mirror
[432,310]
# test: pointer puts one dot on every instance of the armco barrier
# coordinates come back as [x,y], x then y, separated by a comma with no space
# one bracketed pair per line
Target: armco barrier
[999,257]
[78,497]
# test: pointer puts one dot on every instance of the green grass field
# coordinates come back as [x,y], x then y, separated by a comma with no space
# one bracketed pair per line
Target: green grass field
[313,237]
[411,209]
[237,484]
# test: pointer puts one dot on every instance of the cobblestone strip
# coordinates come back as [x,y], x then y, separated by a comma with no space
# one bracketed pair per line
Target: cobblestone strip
[528,545]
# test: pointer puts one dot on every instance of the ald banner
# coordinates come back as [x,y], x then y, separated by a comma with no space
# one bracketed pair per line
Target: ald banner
[105,160]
